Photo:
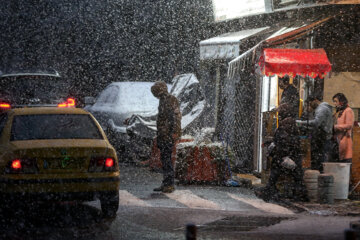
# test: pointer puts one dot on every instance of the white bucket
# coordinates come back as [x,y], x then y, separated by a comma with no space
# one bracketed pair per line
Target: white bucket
[341,173]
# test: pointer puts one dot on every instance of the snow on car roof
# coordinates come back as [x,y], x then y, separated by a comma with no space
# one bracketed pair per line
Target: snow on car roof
[30,73]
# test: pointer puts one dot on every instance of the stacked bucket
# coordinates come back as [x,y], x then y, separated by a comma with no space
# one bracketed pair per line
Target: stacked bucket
[320,187]
[326,188]
[311,183]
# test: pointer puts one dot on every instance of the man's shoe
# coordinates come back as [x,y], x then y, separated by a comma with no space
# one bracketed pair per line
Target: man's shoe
[267,194]
[168,189]
[159,189]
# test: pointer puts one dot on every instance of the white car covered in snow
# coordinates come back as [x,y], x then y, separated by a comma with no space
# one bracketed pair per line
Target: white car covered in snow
[120,100]
[134,102]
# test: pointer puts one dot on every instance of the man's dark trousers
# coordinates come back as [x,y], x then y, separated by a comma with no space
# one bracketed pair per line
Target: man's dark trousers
[320,149]
[167,166]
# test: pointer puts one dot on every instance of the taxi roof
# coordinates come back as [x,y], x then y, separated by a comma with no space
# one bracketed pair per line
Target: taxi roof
[47,110]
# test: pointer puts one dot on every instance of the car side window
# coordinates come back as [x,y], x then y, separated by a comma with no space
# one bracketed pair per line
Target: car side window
[109,95]
[3,118]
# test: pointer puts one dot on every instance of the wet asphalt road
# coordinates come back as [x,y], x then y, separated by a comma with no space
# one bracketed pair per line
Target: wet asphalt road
[147,215]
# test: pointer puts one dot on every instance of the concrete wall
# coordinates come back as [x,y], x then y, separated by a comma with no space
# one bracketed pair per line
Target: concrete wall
[345,82]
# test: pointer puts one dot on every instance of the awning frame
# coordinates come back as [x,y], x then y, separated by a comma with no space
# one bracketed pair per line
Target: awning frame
[251,55]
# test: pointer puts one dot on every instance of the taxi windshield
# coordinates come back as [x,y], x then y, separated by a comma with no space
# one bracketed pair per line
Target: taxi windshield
[54,126]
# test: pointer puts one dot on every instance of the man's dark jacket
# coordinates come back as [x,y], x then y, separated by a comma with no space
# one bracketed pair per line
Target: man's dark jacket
[286,140]
[169,120]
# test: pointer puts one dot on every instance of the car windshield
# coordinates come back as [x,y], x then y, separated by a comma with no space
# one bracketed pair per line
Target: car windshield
[132,97]
[54,126]
[138,97]
[109,95]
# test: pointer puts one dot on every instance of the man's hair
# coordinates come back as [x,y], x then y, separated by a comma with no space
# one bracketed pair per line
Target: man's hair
[313,97]
[285,79]
[341,97]
[159,86]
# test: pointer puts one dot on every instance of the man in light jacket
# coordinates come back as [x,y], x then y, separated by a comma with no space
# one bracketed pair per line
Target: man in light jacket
[321,131]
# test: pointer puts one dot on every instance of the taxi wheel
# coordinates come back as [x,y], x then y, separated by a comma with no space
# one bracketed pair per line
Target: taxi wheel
[110,203]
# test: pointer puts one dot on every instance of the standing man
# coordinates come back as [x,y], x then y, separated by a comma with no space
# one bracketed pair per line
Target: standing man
[321,131]
[289,96]
[168,132]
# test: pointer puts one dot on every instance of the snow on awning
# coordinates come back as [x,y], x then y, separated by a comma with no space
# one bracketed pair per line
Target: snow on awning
[303,62]
[225,46]
[282,36]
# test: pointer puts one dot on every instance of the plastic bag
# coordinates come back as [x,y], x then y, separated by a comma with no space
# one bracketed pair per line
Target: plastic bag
[288,163]
[271,149]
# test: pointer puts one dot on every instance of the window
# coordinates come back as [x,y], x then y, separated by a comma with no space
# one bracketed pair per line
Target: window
[228,9]
[278,4]
[269,93]
[54,126]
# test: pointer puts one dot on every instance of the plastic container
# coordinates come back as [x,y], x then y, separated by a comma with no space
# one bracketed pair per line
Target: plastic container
[341,173]
[311,183]
[326,188]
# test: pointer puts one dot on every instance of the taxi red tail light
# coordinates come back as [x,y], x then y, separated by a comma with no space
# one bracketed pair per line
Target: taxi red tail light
[70,102]
[16,164]
[109,162]
[102,164]
[22,166]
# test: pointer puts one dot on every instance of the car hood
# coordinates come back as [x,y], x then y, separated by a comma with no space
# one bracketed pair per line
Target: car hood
[121,111]
[108,116]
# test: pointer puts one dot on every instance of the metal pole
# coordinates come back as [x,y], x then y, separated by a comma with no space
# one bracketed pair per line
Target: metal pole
[307,105]
[350,234]
[217,99]
[190,231]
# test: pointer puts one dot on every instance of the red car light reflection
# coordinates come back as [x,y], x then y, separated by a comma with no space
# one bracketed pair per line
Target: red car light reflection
[70,102]
[4,106]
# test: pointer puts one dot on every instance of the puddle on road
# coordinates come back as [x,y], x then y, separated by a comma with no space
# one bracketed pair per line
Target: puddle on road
[65,220]
[159,195]
[241,223]
[323,212]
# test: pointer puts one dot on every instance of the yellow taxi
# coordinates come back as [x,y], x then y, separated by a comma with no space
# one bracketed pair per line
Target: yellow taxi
[53,153]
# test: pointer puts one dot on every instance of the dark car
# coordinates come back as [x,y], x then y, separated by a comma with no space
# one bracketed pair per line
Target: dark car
[34,88]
